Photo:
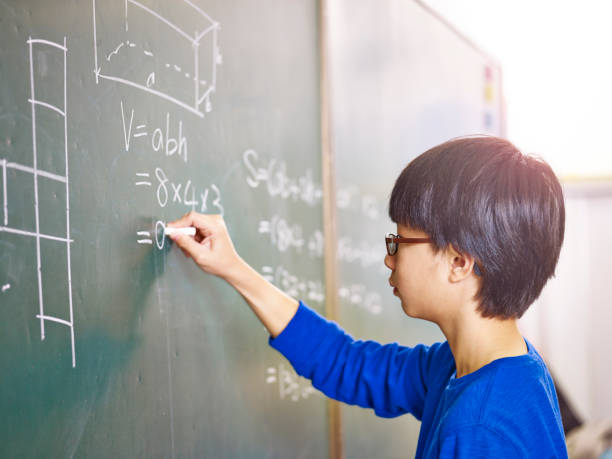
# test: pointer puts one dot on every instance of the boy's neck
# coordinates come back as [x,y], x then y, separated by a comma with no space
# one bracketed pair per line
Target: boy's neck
[476,341]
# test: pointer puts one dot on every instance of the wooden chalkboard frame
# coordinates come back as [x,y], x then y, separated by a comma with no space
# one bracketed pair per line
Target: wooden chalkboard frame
[329,218]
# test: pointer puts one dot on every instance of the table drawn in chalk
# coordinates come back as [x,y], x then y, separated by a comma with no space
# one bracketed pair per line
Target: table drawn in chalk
[174,46]
[36,173]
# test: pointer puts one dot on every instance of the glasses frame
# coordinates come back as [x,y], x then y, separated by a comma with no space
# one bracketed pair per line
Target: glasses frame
[391,238]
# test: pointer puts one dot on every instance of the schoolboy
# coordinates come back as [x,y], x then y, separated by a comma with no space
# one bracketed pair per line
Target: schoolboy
[479,231]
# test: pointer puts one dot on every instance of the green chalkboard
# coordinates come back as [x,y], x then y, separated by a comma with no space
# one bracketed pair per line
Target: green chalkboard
[116,116]
[403,82]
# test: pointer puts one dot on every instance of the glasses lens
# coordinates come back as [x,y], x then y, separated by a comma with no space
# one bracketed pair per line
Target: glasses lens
[391,244]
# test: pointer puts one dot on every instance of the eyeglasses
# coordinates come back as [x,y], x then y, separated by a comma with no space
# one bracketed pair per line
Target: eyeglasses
[391,241]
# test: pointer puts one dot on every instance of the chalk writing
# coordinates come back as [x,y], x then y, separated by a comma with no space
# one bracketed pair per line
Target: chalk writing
[278,182]
[199,70]
[142,179]
[315,244]
[185,193]
[282,234]
[161,140]
[51,47]
[285,236]
[364,254]
[291,386]
[293,285]
[358,295]
[145,237]
[351,199]
[160,234]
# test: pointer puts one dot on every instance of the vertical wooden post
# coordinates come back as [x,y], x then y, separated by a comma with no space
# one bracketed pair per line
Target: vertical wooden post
[329,218]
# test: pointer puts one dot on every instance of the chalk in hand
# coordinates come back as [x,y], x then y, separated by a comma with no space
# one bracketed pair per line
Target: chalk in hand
[188,231]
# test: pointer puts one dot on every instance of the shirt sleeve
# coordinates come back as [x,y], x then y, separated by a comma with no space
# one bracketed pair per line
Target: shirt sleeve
[391,379]
[477,441]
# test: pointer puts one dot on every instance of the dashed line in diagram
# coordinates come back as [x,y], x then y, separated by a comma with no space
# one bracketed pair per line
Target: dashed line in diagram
[175,56]
[46,236]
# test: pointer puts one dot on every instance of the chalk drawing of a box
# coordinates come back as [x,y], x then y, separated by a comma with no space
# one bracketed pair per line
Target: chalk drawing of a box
[168,49]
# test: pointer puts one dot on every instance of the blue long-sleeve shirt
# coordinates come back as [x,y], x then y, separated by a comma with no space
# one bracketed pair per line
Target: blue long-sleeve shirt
[507,408]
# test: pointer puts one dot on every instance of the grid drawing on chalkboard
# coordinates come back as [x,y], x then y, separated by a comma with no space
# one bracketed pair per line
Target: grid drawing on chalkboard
[36,173]
[176,65]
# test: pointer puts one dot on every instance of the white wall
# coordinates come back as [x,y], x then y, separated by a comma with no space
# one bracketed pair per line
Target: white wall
[557,82]
[555,56]
[571,323]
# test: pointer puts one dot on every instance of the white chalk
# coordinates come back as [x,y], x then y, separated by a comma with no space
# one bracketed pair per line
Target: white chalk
[189,231]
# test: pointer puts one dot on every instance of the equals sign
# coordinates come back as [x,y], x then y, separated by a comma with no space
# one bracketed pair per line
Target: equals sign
[147,239]
[141,127]
[268,270]
[141,176]
[271,378]
[264,226]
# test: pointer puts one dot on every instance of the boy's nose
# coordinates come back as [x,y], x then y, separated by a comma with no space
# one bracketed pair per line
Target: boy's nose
[390,262]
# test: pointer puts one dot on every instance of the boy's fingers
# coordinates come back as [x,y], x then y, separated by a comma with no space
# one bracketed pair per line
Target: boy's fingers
[187,244]
[202,222]
[185,220]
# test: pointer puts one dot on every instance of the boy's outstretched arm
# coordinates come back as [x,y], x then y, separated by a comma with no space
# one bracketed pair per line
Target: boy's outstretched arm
[212,250]
[390,379]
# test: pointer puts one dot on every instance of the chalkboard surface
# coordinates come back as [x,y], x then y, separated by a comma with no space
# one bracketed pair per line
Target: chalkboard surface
[117,116]
[403,81]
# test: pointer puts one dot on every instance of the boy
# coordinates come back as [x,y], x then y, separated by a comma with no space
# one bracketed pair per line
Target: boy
[479,231]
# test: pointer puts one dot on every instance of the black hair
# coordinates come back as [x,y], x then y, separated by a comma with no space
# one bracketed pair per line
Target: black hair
[484,197]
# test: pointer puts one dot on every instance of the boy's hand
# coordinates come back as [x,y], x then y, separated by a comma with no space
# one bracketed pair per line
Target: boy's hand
[211,248]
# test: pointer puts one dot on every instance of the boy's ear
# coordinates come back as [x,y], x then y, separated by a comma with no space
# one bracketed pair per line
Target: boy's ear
[460,264]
